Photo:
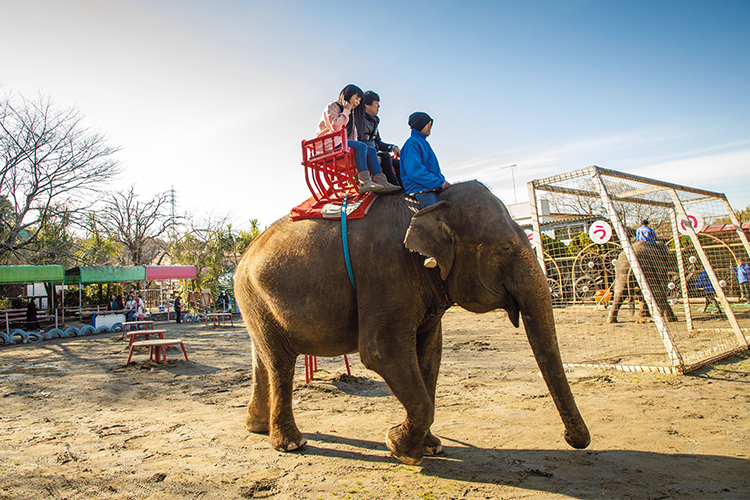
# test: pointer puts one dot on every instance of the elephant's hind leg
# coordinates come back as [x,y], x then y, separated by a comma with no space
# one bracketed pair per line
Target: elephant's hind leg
[257,409]
[270,407]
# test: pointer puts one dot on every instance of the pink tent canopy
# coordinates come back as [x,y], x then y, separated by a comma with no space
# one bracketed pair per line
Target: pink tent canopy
[169,272]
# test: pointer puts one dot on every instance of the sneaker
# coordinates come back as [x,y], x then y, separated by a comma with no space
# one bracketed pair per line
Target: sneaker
[430,262]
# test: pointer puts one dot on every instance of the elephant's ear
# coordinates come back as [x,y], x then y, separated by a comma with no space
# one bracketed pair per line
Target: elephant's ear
[429,235]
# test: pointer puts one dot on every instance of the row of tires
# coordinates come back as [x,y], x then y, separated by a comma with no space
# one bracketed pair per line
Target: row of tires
[19,336]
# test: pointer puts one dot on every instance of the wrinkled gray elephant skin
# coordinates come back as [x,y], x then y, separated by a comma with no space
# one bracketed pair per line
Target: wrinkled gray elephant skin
[655,262]
[296,298]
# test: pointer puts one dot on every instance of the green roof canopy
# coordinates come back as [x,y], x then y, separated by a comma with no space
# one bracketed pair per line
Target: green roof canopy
[104,274]
[31,274]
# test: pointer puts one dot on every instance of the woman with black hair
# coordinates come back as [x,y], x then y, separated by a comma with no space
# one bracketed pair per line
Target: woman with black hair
[346,112]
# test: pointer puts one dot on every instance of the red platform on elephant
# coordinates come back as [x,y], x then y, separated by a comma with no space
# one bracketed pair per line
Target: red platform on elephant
[331,209]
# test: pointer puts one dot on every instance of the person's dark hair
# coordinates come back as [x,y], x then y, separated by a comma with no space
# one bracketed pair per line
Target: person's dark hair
[644,222]
[370,97]
[357,114]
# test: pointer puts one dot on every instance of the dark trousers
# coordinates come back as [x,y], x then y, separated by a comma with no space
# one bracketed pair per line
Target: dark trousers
[391,168]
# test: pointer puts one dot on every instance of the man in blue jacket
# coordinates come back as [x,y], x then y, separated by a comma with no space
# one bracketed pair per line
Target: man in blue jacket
[420,170]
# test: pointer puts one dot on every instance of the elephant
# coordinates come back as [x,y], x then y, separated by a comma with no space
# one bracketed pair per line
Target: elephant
[656,263]
[296,297]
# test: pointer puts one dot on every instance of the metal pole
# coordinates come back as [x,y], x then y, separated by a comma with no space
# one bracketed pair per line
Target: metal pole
[513,178]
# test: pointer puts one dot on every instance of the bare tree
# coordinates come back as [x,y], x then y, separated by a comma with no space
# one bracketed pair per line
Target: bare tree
[49,162]
[137,225]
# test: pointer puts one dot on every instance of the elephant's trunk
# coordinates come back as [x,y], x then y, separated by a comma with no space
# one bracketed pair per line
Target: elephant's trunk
[535,304]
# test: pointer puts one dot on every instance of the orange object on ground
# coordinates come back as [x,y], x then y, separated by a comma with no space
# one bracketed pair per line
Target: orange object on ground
[602,296]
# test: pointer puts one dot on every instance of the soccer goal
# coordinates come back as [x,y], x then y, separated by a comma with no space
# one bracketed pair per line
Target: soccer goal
[676,299]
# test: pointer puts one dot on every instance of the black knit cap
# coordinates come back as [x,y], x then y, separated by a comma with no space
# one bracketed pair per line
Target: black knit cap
[418,120]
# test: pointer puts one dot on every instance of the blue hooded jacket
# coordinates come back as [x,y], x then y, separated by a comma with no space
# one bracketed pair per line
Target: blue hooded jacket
[420,170]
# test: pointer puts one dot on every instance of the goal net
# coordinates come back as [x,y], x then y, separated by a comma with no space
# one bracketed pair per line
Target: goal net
[670,303]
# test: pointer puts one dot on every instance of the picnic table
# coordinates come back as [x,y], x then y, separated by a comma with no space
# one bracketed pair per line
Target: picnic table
[136,325]
[219,318]
[146,333]
[157,347]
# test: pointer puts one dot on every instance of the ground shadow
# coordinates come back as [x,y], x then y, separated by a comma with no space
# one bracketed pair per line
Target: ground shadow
[575,473]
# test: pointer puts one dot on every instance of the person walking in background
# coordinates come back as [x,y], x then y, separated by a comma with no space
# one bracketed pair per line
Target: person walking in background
[743,276]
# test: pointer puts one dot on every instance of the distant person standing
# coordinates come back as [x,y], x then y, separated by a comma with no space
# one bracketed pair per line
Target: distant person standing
[743,276]
[222,303]
[140,308]
[645,233]
[32,321]
[178,309]
[130,307]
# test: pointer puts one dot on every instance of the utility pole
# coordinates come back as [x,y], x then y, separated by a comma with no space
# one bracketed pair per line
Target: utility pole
[173,203]
[512,175]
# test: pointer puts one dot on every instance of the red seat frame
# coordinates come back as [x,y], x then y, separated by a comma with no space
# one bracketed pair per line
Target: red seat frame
[330,171]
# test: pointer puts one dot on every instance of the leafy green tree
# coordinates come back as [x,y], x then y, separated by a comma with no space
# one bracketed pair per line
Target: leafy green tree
[213,247]
[554,247]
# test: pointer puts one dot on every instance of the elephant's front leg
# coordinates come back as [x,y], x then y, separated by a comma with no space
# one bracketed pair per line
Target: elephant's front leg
[394,357]
[429,354]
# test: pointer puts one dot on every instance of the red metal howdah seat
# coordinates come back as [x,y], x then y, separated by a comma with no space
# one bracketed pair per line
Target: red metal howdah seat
[330,171]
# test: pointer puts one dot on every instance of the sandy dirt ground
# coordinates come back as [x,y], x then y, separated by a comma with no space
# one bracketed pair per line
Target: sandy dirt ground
[78,423]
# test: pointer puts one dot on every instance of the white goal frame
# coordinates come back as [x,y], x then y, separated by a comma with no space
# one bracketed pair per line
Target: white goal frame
[652,192]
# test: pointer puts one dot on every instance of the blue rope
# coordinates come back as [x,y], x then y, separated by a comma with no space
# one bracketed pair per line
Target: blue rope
[346,245]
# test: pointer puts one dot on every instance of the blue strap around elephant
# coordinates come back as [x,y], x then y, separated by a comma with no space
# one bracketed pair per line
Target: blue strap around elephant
[346,245]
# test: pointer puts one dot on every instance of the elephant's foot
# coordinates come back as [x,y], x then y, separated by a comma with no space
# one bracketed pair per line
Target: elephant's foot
[255,422]
[432,445]
[611,320]
[406,448]
[580,441]
[283,442]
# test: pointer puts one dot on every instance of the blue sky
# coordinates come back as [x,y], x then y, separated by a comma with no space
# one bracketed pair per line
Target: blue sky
[214,97]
